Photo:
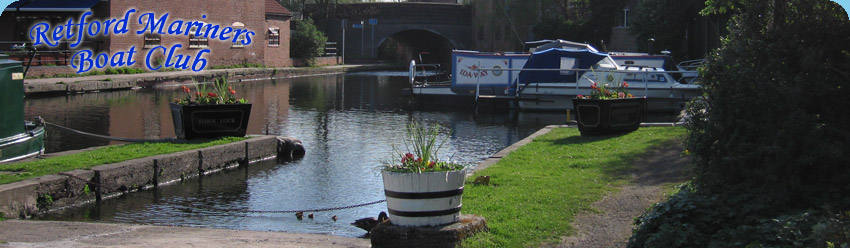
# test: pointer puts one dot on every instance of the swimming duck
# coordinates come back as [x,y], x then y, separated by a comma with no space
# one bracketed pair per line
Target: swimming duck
[310,216]
[369,223]
[334,218]
[299,215]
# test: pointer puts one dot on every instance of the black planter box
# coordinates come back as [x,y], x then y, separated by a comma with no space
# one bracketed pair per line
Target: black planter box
[608,116]
[210,121]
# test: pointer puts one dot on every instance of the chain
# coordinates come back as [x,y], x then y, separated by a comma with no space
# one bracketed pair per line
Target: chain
[290,211]
[251,211]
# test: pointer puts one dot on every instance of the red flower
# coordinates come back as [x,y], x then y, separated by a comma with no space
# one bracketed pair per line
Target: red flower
[408,155]
[625,85]
[607,92]
[431,165]
[232,92]
[419,160]
[621,95]
[593,86]
[580,96]
[186,89]
[198,94]
[212,94]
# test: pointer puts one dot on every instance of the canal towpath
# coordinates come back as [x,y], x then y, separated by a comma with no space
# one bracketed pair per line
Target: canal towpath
[94,83]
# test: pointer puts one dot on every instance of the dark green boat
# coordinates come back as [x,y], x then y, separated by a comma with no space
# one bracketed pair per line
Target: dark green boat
[19,139]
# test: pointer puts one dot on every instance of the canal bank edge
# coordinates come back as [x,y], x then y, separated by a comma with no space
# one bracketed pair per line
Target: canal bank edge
[45,86]
[29,197]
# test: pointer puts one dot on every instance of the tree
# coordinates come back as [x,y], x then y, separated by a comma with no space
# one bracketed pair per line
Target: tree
[587,21]
[770,138]
[665,21]
[307,41]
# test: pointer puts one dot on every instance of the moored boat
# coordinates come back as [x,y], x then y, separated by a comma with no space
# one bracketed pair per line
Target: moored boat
[19,139]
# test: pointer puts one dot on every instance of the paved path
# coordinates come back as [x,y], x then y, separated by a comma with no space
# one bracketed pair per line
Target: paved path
[23,233]
[611,225]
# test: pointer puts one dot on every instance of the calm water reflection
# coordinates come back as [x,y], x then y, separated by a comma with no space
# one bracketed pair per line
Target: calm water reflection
[346,122]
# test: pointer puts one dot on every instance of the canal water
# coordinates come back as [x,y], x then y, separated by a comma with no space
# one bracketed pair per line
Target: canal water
[347,123]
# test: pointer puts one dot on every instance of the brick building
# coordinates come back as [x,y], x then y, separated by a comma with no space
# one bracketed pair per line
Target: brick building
[266,18]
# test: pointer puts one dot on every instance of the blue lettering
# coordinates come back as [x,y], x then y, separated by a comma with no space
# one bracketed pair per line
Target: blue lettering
[168,62]
[106,25]
[123,22]
[148,58]
[154,26]
[57,33]
[175,30]
[247,40]
[94,24]
[212,28]
[85,62]
[117,59]
[199,59]
[130,55]
[40,35]
[224,32]
[81,24]
[97,60]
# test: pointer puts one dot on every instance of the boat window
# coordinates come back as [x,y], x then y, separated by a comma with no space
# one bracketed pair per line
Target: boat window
[650,77]
[568,63]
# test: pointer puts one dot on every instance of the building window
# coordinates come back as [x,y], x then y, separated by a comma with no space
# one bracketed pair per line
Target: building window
[274,36]
[152,40]
[197,41]
[237,43]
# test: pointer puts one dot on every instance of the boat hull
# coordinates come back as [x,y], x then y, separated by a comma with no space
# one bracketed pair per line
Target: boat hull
[23,145]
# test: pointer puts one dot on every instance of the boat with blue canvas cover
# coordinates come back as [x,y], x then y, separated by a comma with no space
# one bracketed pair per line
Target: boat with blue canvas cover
[553,77]
[19,139]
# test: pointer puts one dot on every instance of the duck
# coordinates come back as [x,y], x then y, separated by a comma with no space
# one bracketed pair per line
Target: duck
[334,218]
[310,216]
[299,215]
[369,223]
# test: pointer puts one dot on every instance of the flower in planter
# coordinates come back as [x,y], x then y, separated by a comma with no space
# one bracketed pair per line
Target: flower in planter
[421,149]
[220,93]
[607,92]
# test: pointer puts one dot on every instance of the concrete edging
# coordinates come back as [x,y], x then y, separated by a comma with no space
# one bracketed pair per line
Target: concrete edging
[32,196]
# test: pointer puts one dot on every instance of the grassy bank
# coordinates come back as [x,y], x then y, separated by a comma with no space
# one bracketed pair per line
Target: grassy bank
[535,191]
[112,154]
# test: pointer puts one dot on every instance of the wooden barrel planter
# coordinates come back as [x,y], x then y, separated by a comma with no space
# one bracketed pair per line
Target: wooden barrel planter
[598,117]
[424,199]
[210,121]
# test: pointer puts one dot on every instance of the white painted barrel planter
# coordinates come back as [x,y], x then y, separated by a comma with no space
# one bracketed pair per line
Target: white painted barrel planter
[424,199]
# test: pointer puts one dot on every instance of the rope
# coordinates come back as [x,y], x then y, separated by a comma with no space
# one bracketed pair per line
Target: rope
[229,210]
[104,137]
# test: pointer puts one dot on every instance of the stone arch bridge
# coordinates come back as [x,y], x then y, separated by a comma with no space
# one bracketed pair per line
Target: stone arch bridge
[400,31]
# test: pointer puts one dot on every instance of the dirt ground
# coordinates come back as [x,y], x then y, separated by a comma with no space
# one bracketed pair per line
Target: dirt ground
[23,233]
[611,225]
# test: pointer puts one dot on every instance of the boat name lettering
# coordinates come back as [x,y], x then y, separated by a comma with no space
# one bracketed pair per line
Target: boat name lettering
[465,73]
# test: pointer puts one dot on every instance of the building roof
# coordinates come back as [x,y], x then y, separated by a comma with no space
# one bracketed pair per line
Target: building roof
[52,5]
[273,7]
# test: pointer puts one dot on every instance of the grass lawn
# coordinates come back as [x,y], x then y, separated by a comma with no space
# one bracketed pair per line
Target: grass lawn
[111,154]
[536,191]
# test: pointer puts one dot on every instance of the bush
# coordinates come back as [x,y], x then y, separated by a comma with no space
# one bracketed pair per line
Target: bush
[770,138]
[307,41]
[776,114]
[692,219]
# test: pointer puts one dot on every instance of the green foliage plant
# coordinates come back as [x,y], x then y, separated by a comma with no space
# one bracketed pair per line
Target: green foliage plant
[665,22]
[220,93]
[420,152]
[307,41]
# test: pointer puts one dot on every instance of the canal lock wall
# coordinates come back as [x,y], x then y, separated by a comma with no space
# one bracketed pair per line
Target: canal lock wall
[37,195]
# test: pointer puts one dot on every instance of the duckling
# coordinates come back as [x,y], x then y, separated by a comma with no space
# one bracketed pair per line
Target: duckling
[334,218]
[482,180]
[299,215]
[310,216]
[369,223]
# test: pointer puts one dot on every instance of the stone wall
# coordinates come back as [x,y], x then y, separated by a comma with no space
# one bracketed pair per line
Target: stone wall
[29,197]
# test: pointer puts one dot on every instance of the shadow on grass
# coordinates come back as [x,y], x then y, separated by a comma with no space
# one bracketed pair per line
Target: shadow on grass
[578,139]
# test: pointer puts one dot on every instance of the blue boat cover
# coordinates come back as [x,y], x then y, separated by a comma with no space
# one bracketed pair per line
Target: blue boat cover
[51,5]
[552,59]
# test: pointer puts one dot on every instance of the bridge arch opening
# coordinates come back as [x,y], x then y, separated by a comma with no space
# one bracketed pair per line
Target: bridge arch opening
[407,45]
